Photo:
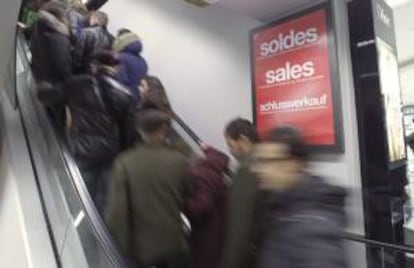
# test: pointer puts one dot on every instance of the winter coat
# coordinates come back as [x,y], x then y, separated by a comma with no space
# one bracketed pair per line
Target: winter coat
[133,67]
[100,117]
[51,49]
[90,41]
[149,186]
[77,20]
[302,227]
[239,244]
[207,209]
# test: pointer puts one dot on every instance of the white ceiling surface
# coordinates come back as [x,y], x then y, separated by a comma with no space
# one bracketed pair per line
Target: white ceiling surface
[264,10]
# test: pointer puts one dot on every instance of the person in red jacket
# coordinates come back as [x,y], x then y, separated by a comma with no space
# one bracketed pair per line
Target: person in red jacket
[207,208]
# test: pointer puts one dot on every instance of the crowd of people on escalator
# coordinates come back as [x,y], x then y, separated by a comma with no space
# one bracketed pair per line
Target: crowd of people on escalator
[117,123]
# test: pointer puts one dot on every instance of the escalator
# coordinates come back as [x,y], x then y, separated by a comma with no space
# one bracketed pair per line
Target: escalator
[78,234]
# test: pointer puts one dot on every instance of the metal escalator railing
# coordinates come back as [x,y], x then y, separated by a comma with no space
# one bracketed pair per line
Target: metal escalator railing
[380,254]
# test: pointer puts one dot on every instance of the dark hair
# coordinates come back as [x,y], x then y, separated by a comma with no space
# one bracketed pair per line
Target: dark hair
[152,120]
[123,31]
[292,138]
[156,97]
[242,127]
[105,57]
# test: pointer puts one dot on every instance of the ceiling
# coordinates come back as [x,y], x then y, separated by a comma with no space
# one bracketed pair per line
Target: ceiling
[264,10]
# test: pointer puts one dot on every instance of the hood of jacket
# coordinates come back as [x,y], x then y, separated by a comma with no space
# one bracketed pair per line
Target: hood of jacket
[216,160]
[53,23]
[135,48]
[128,43]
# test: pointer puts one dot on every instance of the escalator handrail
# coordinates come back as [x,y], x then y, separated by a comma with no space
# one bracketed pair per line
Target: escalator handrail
[100,228]
[374,243]
[187,129]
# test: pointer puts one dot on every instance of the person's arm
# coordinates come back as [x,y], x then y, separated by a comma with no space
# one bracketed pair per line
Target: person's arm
[117,215]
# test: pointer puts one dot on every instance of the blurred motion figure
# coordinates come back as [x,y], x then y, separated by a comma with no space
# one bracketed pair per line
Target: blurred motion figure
[241,136]
[301,216]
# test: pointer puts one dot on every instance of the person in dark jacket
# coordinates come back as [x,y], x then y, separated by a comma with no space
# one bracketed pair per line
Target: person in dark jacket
[91,40]
[206,208]
[241,136]
[77,15]
[149,186]
[133,66]
[51,58]
[100,123]
[50,46]
[302,217]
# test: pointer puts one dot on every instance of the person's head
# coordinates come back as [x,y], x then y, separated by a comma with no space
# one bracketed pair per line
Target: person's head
[241,135]
[123,31]
[128,42]
[98,18]
[79,6]
[153,125]
[153,94]
[280,160]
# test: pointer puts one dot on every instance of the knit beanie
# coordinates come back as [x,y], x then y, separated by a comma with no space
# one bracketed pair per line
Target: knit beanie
[124,40]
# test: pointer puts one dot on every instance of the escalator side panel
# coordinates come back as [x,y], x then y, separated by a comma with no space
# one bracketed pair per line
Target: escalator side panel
[15,153]
[9,10]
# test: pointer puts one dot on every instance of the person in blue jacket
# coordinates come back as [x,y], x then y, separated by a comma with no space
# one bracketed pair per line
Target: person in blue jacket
[133,67]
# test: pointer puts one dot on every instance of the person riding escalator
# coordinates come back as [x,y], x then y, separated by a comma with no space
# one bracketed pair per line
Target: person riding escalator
[149,185]
[51,54]
[100,123]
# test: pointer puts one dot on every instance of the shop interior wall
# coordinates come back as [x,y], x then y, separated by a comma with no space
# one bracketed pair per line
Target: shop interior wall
[404,28]
[202,56]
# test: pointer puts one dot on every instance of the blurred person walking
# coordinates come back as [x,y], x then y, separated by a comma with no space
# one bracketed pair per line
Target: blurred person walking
[133,67]
[241,136]
[100,123]
[302,217]
[149,186]
[91,40]
[207,209]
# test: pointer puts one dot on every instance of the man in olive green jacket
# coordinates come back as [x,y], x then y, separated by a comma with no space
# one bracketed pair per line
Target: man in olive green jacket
[239,250]
[148,188]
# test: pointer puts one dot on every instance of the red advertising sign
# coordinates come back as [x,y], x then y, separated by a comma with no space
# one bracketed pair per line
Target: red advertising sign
[293,77]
